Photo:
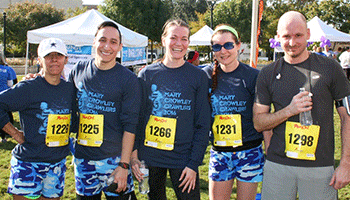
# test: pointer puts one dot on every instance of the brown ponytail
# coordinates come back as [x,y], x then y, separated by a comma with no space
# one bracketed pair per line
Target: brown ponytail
[214,78]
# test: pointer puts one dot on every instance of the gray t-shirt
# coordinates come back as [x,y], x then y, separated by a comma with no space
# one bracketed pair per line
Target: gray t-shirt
[280,81]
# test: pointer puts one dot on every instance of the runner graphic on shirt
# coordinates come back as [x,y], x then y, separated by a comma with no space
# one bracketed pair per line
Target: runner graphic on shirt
[83,99]
[156,97]
[44,116]
[215,105]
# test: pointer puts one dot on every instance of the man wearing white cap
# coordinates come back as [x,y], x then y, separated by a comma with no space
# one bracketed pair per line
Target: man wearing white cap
[44,105]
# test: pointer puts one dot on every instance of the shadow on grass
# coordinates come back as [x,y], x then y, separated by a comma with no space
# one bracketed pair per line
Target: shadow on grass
[336,163]
[8,146]
[204,185]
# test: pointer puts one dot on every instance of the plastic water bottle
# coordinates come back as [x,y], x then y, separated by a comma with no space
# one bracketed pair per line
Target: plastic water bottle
[143,185]
[305,118]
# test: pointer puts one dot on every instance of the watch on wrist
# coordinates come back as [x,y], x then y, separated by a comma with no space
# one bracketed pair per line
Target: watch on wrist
[123,165]
[338,103]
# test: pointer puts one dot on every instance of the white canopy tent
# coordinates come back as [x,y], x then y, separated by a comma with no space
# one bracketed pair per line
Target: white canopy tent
[80,30]
[318,28]
[202,37]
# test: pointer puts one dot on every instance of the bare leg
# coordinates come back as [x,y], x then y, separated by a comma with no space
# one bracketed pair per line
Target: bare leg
[220,190]
[246,191]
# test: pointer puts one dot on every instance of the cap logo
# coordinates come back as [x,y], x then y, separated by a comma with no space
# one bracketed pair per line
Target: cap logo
[50,45]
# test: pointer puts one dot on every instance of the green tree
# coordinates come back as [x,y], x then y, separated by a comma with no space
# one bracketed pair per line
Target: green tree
[146,17]
[236,13]
[186,9]
[196,25]
[332,12]
[271,14]
[74,12]
[22,17]
[125,12]
[299,4]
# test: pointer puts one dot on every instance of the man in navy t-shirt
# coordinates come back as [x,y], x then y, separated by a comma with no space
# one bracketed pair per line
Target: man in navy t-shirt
[108,103]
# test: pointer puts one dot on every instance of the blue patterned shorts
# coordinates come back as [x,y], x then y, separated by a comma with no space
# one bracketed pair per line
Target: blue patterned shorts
[246,165]
[35,179]
[91,176]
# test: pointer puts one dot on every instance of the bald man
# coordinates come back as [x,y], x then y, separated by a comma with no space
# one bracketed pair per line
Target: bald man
[300,158]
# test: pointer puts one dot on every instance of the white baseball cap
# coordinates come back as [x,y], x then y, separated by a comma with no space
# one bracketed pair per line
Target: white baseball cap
[49,45]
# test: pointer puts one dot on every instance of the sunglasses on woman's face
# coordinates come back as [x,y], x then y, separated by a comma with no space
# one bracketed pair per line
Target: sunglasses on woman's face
[227,46]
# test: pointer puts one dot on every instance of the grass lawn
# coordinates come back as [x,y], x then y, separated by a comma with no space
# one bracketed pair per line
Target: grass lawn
[69,193]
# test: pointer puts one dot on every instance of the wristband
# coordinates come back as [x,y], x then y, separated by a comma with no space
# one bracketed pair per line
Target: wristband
[123,165]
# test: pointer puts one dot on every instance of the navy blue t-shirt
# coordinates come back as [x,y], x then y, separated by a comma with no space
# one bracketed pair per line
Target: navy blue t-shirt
[35,100]
[114,93]
[182,94]
[235,94]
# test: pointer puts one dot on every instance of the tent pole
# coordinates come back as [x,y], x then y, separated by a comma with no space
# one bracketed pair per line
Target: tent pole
[335,43]
[254,36]
[26,64]
[147,55]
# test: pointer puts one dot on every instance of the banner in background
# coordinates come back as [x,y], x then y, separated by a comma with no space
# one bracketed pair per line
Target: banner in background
[75,54]
[133,56]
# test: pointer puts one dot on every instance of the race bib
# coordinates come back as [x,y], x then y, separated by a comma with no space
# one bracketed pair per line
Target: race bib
[57,132]
[227,130]
[301,141]
[160,133]
[90,130]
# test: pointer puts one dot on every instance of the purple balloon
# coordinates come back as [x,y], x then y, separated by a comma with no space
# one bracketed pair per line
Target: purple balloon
[274,43]
[325,41]
[309,43]
[322,44]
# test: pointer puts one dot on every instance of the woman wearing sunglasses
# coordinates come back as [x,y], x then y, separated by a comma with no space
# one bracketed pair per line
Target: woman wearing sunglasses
[236,151]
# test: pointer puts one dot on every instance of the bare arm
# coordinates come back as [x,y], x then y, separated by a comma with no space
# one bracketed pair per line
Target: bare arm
[267,139]
[264,120]
[120,174]
[135,165]
[14,132]
[30,76]
[341,176]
